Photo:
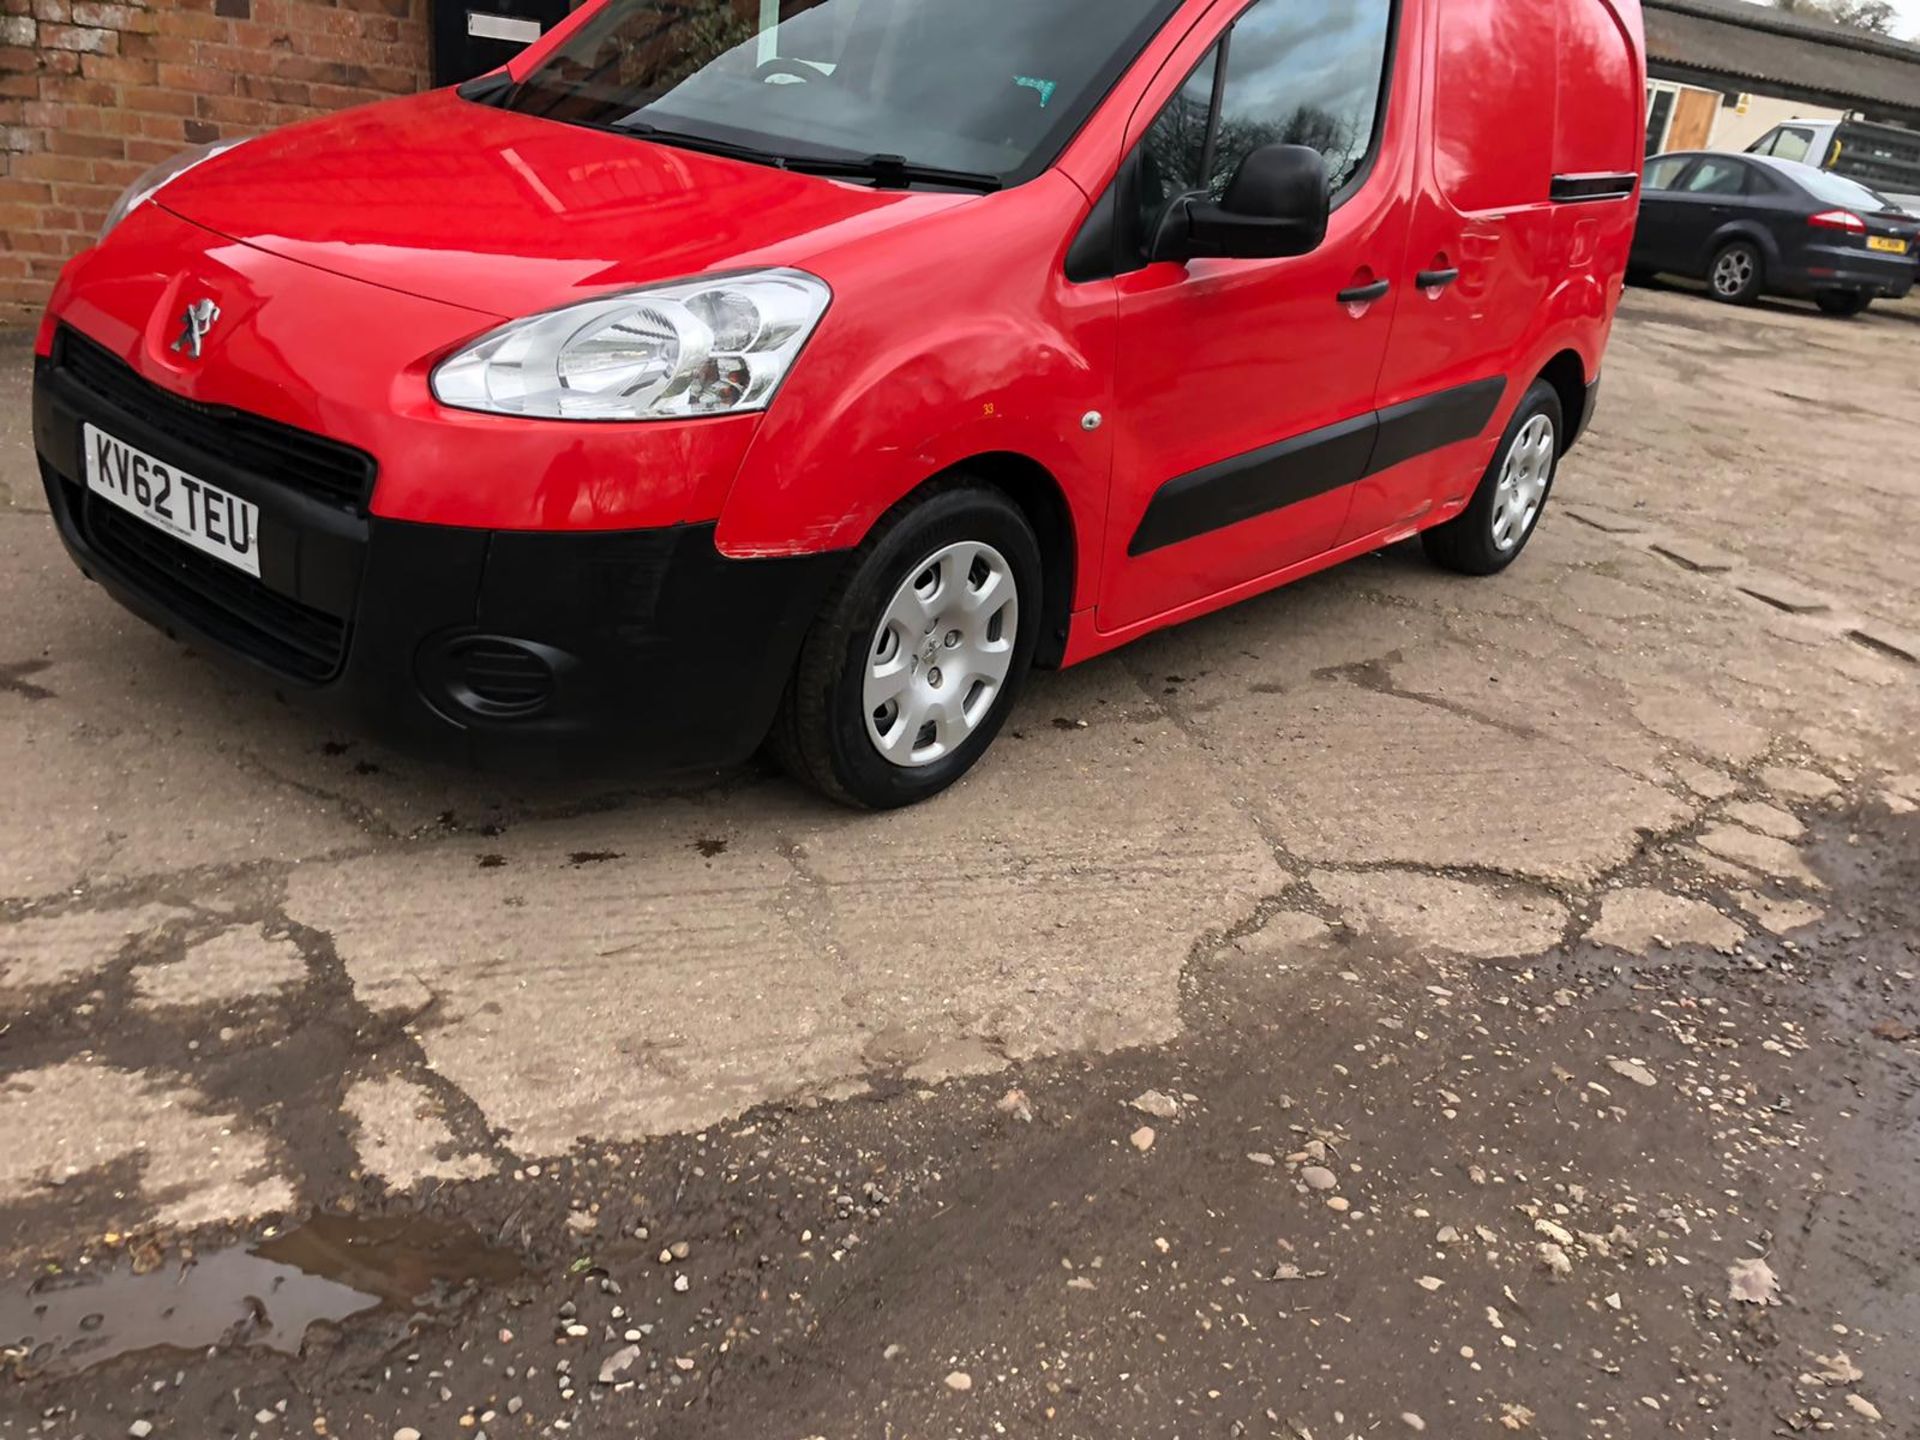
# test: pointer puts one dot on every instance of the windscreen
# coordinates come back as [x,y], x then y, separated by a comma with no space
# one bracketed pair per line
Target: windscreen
[990,87]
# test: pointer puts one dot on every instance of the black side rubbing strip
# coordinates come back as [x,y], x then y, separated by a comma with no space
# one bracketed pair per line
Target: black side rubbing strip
[1578,189]
[1276,476]
[1270,478]
[1417,426]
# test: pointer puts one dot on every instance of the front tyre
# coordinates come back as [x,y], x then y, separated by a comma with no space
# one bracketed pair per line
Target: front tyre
[1490,533]
[918,653]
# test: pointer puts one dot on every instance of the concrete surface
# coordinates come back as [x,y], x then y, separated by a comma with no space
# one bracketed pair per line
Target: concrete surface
[741,943]
[250,964]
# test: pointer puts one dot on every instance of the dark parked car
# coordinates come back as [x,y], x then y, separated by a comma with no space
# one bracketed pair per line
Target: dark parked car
[1754,224]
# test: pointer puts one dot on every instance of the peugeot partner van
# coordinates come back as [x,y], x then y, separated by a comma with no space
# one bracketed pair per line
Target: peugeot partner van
[725,371]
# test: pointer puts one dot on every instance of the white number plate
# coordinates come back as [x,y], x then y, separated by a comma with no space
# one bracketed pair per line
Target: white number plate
[192,511]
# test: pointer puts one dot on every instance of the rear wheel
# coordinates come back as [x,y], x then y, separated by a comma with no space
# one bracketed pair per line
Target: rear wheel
[1491,532]
[1843,302]
[1736,273]
[918,654]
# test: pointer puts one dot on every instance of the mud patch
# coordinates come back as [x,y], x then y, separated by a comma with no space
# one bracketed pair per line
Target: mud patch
[267,1296]
[13,680]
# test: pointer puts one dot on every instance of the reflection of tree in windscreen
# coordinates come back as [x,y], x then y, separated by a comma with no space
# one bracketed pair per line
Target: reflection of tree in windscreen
[684,41]
[636,53]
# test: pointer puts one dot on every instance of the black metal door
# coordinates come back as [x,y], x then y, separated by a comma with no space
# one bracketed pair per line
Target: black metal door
[471,37]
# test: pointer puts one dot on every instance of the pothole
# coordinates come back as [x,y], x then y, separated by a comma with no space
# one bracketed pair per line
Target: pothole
[267,1295]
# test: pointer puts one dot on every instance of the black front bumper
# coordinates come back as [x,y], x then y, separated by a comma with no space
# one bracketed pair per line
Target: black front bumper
[551,651]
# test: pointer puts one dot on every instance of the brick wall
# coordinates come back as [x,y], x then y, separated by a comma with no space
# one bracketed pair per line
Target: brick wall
[92,92]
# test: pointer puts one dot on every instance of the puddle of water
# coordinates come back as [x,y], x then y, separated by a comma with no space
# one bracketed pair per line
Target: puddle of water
[329,1269]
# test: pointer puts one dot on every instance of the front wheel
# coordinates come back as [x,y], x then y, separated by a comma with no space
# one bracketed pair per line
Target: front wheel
[1843,302]
[1490,533]
[918,654]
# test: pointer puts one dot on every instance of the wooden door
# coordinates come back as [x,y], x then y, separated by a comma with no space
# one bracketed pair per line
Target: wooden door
[1693,116]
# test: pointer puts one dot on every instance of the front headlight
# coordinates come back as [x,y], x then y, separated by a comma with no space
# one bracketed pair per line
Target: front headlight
[714,346]
[151,183]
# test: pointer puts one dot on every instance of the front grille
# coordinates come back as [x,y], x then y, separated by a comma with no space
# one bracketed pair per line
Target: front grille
[228,604]
[310,464]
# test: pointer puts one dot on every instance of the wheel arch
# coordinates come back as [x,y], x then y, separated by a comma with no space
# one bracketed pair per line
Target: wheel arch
[1567,373]
[1756,235]
[1043,500]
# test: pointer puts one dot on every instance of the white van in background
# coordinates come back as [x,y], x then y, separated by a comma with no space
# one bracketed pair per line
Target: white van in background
[1884,158]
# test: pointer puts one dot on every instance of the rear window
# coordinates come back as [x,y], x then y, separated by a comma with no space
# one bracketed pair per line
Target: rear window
[1831,189]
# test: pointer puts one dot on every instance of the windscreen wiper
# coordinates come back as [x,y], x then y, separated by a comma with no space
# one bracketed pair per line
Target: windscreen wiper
[893,172]
[706,144]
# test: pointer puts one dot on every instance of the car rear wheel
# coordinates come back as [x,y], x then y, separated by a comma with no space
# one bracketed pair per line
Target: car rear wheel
[918,654]
[1843,302]
[1491,532]
[1736,273]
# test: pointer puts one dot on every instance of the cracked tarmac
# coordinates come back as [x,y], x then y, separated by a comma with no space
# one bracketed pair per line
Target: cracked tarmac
[1345,846]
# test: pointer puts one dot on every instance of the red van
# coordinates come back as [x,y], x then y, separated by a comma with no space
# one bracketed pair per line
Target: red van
[811,369]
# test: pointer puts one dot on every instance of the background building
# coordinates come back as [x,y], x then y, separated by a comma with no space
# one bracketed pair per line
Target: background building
[92,92]
[1724,72]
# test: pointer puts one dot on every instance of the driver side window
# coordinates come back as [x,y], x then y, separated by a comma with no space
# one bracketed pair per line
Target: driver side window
[1792,144]
[1288,72]
[1171,160]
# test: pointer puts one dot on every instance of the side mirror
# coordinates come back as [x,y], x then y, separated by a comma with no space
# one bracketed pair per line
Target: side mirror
[1276,205]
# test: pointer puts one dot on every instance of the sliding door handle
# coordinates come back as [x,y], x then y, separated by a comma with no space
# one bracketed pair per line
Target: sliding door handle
[1435,279]
[1364,294]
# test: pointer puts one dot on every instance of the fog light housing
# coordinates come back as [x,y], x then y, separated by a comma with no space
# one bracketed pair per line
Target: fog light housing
[495,677]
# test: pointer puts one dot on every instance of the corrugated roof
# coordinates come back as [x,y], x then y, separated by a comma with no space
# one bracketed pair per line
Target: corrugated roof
[1767,47]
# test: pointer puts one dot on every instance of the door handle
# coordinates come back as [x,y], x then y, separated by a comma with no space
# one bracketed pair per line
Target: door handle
[1364,294]
[1435,279]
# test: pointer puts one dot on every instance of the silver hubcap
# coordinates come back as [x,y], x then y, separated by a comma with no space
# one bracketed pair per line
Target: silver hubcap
[1523,483]
[941,653]
[1732,272]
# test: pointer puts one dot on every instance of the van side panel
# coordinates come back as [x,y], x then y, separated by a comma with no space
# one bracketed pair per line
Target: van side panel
[1600,121]
[1599,134]
[1493,134]
[1493,97]
[1483,209]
